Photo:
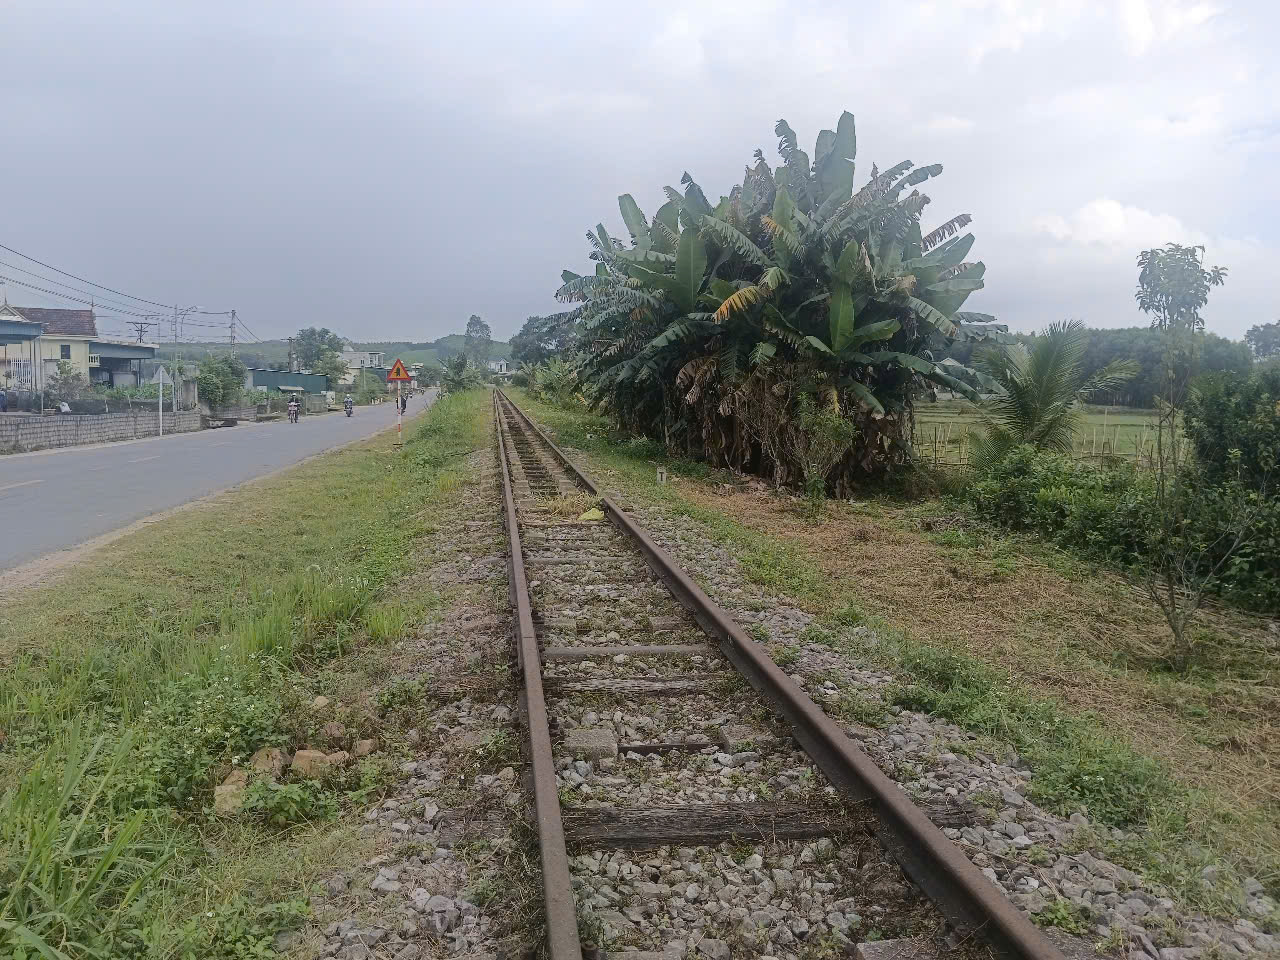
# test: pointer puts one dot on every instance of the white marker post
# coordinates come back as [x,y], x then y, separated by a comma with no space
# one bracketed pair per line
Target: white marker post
[162,377]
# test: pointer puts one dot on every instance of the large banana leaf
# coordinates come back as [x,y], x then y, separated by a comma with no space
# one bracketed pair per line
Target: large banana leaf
[835,167]
[691,264]
[637,226]
[841,316]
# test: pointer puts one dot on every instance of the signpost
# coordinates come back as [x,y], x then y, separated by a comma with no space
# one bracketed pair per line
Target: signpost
[398,375]
[162,377]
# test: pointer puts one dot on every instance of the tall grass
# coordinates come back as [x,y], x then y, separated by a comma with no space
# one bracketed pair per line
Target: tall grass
[123,700]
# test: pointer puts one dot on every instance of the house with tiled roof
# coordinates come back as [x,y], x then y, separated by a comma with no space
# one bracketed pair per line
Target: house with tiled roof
[41,338]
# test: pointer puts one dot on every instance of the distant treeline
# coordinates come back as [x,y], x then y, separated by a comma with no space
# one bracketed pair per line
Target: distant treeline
[1144,346]
[269,353]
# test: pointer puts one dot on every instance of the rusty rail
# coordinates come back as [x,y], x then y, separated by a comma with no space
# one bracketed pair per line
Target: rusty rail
[557,891]
[971,902]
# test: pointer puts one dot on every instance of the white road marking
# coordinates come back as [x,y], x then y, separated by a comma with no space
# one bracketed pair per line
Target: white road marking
[145,459]
[23,483]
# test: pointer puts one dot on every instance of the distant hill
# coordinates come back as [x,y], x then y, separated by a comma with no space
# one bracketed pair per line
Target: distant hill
[432,353]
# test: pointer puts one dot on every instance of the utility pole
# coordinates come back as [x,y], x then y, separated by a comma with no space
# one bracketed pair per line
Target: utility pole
[233,333]
[290,339]
[141,327]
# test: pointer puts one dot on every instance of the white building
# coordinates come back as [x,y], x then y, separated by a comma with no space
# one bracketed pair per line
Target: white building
[359,359]
[498,366]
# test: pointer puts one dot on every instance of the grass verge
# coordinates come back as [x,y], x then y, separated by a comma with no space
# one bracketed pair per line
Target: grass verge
[1025,645]
[133,688]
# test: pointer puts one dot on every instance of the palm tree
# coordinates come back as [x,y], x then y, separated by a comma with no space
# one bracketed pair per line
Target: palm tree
[1038,392]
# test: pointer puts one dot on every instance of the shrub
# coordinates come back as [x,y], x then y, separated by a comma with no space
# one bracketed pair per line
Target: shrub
[1234,423]
[221,381]
[1109,515]
[284,804]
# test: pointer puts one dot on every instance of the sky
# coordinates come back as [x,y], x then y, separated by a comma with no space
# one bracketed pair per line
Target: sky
[386,169]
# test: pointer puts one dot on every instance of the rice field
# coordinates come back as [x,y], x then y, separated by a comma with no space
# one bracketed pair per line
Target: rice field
[942,432]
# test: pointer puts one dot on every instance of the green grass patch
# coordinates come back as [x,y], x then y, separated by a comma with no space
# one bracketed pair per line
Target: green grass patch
[134,686]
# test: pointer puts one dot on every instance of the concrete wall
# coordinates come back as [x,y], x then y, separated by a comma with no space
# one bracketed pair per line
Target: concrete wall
[21,433]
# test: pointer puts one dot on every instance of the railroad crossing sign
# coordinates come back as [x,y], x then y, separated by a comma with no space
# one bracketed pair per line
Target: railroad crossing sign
[398,373]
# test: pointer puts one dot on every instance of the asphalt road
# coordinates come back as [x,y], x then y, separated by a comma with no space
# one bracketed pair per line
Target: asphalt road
[57,499]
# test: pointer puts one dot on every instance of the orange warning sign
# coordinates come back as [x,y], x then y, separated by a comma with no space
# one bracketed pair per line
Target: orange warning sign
[398,372]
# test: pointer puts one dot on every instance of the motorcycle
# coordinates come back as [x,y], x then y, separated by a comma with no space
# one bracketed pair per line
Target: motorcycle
[293,413]
[348,406]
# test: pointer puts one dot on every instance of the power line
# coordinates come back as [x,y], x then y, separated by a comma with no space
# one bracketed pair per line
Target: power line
[105,301]
[48,266]
[64,296]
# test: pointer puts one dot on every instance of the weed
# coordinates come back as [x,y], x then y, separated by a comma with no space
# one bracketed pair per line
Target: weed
[862,709]
[784,655]
[285,804]
[1062,914]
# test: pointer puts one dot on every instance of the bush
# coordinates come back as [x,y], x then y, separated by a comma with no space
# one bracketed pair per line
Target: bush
[221,381]
[1234,423]
[1108,514]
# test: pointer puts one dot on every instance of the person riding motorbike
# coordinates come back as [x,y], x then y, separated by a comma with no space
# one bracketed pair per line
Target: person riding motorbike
[293,410]
[347,404]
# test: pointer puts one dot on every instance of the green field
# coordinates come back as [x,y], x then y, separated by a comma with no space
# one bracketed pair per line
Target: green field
[942,431]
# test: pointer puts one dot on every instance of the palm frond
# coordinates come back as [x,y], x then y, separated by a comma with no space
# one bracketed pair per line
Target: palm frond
[948,229]
[729,236]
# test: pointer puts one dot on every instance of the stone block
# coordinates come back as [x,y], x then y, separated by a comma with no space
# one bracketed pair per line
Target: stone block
[588,743]
[737,737]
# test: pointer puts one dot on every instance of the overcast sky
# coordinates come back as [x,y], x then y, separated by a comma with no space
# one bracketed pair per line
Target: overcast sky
[387,169]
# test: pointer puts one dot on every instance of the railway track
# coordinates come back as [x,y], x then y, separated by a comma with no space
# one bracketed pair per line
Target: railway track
[689,797]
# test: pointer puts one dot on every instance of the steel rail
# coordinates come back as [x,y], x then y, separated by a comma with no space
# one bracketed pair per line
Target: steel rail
[971,902]
[557,890]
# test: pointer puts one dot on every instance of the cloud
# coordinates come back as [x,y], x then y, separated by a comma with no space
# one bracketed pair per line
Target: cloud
[943,125]
[1115,226]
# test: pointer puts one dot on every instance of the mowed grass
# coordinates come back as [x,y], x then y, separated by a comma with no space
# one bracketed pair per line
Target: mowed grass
[1023,644]
[943,431]
[158,665]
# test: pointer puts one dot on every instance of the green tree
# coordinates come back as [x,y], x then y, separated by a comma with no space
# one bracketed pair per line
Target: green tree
[1264,339]
[706,329]
[459,374]
[220,381]
[478,340]
[312,345]
[1039,392]
[542,338]
[1173,285]
[332,366]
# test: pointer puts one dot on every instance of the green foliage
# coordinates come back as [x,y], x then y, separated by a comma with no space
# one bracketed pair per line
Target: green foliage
[369,387]
[1145,347]
[241,930]
[553,381]
[459,375]
[1109,514]
[1234,423]
[331,365]
[1264,339]
[478,337]
[542,338]
[1039,393]
[286,804]
[221,380]
[1173,285]
[819,439]
[709,327]
[312,345]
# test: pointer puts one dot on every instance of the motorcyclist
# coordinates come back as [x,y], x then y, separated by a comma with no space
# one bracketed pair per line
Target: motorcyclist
[347,404]
[293,409]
